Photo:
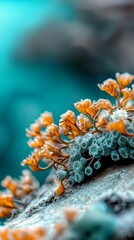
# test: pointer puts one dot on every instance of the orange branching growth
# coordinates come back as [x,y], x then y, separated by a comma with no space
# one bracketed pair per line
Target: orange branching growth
[72,127]
[124,79]
[118,88]
[84,123]
[5,212]
[21,234]
[22,187]
[7,201]
[83,106]
[51,142]
[60,189]
[6,205]
[111,87]
[16,191]
[33,161]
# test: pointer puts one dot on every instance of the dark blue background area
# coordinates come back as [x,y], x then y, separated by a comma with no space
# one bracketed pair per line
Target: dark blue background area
[26,90]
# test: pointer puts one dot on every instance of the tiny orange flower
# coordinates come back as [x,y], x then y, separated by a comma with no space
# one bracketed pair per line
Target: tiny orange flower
[5,212]
[93,110]
[38,142]
[69,116]
[105,104]
[124,79]
[46,119]
[68,125]
[84,123]
[7,201]
[83,105]
[33,131]
[70,130]
[10,184]
[102,122]
[32,161]
[110,86]
[127,96]
[53,131]
[127,93]
[18,188]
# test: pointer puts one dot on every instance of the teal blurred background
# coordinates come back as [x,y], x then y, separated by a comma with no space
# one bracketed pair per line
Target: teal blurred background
[26,90]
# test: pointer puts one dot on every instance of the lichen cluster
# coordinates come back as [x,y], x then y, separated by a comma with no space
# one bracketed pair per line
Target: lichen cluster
[18,193]
[79,145]
[90,151]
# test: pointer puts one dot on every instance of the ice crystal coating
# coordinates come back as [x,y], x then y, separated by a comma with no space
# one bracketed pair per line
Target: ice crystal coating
[118,114]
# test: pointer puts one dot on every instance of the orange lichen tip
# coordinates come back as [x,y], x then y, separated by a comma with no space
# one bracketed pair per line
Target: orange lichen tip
[83,105]
[60,190]
[110,86]
[32,161]
[68,125]
[52,130]
[7,201]
[84,123]
[124,79]
[19,188]
[5,212]
[46,119]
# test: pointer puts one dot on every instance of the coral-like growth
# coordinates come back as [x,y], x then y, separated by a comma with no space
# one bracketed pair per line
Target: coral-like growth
[7,204]
[18,193]
[76,148]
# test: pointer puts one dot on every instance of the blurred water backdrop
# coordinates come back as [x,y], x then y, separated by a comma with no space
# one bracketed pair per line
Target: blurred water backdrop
[27,89]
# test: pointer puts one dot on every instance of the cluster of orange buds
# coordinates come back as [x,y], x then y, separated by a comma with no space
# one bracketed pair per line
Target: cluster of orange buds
[6,205]
[100,111]
[124,96]
[21,234]
[93,111]
[16,191]
[24,186]
[119,87]
[72,127]
[48,145]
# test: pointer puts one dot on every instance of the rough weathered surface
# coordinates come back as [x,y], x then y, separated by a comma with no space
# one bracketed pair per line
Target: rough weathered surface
[45,210]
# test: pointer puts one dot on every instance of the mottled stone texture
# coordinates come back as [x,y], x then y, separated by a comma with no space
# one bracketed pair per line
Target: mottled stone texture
[46,209]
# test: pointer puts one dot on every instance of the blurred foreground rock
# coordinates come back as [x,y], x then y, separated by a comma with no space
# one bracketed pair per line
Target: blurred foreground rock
[46,210]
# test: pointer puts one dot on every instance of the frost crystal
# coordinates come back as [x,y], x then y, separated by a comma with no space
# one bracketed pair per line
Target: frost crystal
[118,114]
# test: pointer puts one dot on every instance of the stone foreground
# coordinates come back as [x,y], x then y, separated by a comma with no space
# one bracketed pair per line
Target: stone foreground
[46,209]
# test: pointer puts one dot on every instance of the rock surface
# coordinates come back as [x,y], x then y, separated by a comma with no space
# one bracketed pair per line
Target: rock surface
[46,209]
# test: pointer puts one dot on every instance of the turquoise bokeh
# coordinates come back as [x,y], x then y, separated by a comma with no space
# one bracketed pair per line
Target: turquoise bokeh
[26,90]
